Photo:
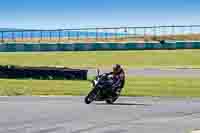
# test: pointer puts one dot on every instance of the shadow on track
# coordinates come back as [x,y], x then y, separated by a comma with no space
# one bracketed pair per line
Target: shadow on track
[124,104]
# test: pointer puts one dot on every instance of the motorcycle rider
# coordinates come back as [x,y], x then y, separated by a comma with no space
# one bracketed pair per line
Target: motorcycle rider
[118,79]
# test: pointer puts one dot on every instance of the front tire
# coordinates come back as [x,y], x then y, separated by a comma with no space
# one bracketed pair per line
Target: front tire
[91,96]
[88,100]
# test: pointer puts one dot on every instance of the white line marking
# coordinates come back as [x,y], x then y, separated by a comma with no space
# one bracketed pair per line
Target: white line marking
[196,131]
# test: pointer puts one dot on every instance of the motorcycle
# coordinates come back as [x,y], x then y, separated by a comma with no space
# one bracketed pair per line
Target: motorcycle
[101,89]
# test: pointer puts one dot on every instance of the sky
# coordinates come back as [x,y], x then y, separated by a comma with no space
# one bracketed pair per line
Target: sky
[56,14]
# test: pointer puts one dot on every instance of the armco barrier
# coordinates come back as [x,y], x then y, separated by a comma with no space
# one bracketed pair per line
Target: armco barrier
[98,46]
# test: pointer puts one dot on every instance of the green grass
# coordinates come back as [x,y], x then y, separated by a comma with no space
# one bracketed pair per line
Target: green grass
[160,58]
[162,86]
[135,86]
[14,87]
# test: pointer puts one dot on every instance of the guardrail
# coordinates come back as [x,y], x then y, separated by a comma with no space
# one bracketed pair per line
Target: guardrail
[114,34]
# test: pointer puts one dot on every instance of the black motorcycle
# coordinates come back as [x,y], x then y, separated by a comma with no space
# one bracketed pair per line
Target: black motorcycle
[102,90]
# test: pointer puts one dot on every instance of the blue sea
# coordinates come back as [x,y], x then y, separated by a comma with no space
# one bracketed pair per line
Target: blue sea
[57,34]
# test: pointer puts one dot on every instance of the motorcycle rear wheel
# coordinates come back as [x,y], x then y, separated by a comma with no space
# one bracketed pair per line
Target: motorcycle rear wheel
[112,100]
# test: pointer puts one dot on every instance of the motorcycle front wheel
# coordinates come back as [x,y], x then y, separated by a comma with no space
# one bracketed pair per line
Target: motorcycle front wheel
[91,96]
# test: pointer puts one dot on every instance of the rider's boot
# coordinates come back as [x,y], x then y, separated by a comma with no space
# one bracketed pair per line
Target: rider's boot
[116,92]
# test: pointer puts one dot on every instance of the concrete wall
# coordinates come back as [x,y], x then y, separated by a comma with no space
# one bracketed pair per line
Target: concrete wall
[98,46]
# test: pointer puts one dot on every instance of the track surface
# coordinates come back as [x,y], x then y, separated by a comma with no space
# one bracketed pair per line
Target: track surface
[156,72]
[71,115]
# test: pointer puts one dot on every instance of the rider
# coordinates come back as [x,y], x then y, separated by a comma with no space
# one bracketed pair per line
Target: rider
[118,78]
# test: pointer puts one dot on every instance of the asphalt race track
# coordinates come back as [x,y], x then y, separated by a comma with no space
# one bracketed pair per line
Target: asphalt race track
[71,115]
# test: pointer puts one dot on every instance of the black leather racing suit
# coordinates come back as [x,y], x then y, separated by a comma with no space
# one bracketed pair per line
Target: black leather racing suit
[118,81]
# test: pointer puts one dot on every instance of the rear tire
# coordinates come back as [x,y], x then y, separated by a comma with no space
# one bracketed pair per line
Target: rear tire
[111,101]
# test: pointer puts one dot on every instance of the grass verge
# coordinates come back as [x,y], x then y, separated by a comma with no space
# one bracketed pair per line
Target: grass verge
[135,86]
[129,59]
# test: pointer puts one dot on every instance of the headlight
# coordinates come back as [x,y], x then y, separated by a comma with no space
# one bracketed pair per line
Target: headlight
[93,83]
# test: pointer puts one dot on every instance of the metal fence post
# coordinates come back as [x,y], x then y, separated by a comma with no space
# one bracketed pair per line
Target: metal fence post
[173,30]
[154,33]
[106,35]
[116,35]
[31,35]
[2,39]
[191,32]
[127,34]
[144,34]
[50,35]
[191,29]
[13,36]
[77,35]
[87,34]
[96,34]
[40,36]
[183,30]
[68,34]
[22,35]
[59,36]
[135,31]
